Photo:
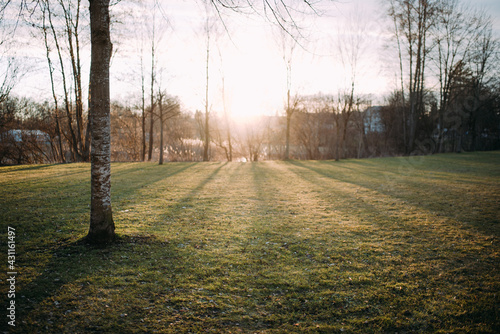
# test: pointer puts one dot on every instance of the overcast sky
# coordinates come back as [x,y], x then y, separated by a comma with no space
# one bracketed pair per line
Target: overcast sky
[247,56]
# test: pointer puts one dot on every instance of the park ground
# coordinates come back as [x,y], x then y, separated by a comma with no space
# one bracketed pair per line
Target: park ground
[384,245]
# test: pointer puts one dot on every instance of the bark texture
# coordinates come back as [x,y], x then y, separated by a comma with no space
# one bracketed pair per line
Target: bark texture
[102,228]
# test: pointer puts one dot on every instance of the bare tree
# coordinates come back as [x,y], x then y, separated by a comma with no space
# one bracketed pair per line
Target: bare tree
[142,25]
[221,137]
[9,77]
[341,108]
[207,108]
[125,137]
[254,138]
[413,20]
[288,44]
[454,33]
[210,29]
[482,62]
[350,46]
[402,100]
[361,116]
[52,85]
[312,127]
[72,21]
[152,105]
[11,70]
[156,29]
[65,37]
[69,117]
[308,131]
[168,107]
[229,148]
[143,112]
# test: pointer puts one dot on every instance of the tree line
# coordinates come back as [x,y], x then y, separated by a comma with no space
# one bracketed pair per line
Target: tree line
[323,127]
[447,99]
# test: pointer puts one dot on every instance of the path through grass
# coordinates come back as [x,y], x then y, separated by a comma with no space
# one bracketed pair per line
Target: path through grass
[381,245]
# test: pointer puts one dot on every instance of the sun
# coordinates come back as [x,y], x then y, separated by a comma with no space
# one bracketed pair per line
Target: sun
[253,87]
[249,102]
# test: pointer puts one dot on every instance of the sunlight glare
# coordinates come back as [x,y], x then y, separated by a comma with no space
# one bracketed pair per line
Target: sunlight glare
[254,81]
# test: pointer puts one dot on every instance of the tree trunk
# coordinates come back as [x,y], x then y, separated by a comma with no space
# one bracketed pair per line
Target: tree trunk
[337,141]
[229,154]
[207,129]
[86,147]
[59,136]
[287,136]
[160,105]
[151,112]
[151,119]
[143,116]
[288,119]
[102,227]
[207,138]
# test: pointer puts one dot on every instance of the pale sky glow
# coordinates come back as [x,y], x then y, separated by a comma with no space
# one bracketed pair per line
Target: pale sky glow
[250,62]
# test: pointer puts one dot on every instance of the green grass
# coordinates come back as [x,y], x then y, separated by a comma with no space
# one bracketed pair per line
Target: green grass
[402,245]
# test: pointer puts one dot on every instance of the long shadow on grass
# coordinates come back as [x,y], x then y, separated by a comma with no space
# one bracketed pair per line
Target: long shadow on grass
[278,264]
[351,206]
[196,190]
[4,169]
[374,180]
[193,199]
[356,204]
[154,173]
[290,278]
[113,289]
[42,178]
[431,259]
[123,187]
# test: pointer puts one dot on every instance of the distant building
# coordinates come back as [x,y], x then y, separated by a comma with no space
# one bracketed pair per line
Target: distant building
[25,147]
[373,120]
[19,136]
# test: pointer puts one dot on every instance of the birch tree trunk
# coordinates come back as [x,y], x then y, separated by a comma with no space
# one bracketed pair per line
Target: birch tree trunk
[102,228]
[160,107]
[206,144]
[151,111]
[143,114]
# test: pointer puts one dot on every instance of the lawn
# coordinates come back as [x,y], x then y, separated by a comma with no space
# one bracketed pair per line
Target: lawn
[384,245]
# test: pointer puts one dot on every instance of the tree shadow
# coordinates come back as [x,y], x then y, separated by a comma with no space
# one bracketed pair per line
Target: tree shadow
[187,199]
[155,173]
[77,274]
[392,181]
[16,168]
[440,251]
[124,185]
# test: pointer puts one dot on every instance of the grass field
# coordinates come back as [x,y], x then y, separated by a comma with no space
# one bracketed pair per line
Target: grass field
[388,245]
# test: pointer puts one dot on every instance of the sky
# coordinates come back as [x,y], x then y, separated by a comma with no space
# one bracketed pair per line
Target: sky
[246,56]
[247,72]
